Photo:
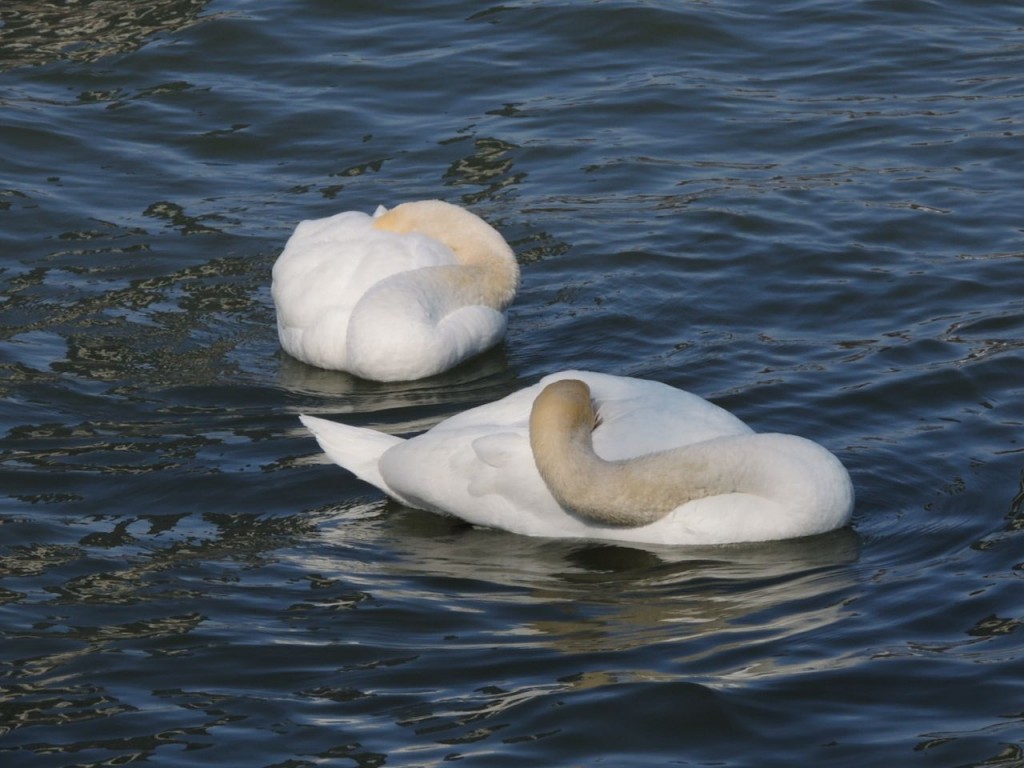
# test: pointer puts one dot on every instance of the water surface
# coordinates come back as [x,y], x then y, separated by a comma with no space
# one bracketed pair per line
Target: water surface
[809,213]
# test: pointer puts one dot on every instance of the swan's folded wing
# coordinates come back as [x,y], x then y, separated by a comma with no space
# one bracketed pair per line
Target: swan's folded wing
[502,450]
[470,330]
[511,493]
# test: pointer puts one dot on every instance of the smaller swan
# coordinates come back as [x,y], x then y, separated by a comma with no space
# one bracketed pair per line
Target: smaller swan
[407,293]
[588,455]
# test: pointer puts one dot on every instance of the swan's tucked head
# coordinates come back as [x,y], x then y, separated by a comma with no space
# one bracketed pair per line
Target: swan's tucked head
[563,409]
[474,242]
[426,216]
[462,231]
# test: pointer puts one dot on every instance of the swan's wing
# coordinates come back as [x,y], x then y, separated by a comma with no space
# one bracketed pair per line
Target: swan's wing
[515,496]
[357,449]
[483,477]
[509,414]
[335,261]
[440,469]
[420,323]
[638,416]
[468,331]
[326,267]
[500,450]
[314,271]
[402,346]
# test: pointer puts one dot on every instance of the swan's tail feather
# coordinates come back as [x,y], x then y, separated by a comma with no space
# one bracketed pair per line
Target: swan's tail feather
[357,449]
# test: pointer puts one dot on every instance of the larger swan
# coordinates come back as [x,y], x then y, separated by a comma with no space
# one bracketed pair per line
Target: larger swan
[589,455]
[407,293]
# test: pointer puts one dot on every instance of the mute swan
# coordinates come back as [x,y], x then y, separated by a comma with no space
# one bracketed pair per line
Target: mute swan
[651,464]
[407,293]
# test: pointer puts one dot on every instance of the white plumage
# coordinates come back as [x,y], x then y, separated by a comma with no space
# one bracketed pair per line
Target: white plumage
[401,295]
[479,466]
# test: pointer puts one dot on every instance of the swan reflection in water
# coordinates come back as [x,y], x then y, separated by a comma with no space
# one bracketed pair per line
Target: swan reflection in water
[589,596]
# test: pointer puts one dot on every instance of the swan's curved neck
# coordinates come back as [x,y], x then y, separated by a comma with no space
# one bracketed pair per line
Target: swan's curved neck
[634,491]
[475,243]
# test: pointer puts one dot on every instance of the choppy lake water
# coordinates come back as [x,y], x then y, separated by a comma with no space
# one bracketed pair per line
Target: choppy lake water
[810,212]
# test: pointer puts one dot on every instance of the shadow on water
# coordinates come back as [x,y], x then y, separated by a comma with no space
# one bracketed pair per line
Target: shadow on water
[578,597]
[482,379]
[541,636]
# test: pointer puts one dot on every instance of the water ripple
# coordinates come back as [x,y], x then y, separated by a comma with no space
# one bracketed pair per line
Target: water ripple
[809,215]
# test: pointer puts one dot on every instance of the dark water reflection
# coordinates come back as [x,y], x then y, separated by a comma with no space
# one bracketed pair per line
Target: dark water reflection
[809,215]
[35,33]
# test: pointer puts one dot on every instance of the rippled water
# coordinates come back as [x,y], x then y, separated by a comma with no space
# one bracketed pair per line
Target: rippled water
[809,212]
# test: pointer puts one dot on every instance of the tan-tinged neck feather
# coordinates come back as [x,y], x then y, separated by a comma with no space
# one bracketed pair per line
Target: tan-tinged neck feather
[561,422]
[475,243]
[642,490]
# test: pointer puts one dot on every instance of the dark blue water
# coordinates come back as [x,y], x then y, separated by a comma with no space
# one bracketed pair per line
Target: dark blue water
[809,212]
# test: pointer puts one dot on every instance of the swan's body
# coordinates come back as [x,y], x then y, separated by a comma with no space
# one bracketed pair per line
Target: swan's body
[399,295]
[660,466]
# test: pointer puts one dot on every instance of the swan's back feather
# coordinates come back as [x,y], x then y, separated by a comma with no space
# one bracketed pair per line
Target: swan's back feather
[325,270]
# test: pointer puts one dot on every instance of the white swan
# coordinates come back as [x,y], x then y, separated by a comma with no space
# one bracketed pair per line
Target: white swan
[653,464]
[401,295]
